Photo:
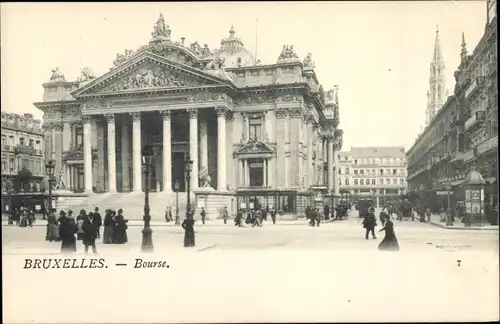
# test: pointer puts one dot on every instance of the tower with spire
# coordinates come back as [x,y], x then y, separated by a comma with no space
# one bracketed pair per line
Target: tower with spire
[436,95]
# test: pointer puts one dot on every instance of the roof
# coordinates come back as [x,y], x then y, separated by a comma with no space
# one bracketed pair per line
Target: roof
[375,152]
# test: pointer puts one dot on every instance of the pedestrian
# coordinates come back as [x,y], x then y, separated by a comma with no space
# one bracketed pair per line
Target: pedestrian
[265,212]
[167,219]
[120,234]
[326,212]
[383,215]
[203,215]
[225,214]
[109,227]
[239,218]
[273,215]
[97,222]
[318,217]
[89,235]
[79,224]
[369,223]
[52,228]
[390,242]
[67,230]
[188,226]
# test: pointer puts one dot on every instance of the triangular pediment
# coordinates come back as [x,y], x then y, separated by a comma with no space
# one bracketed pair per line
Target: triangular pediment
[150,71]
[255,147]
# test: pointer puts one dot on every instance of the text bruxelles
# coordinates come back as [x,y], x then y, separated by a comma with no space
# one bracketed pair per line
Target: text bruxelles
[64,263]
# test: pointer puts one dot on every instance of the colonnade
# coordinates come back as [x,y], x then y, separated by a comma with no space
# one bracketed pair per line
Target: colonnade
[167,150]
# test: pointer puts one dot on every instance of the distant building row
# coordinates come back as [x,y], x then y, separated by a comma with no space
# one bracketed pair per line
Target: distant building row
[463,134]
[22,148]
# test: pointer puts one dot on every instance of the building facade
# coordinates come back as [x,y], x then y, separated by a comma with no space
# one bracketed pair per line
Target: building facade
[463,136]
[22,148]
[377,173]
[263,132]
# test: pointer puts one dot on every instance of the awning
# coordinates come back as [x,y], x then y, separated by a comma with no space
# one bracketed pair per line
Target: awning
[490,179]
[457,182]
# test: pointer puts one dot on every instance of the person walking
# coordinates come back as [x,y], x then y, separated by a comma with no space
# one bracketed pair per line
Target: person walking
[225,214]
[273,215]
[89,235]
[203,215]
[369,223]
[97,222]
[390,242]
[188,226]
[67,230]
[109,227]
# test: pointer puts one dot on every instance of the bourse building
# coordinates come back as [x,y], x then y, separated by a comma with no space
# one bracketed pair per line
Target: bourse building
[255,132]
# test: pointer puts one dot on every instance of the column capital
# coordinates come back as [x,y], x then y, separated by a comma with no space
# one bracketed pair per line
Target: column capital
[281,113]
[110,118]
[86,119]
[230,116]
[193,113]
[165,114]
[221,111]
[136,116]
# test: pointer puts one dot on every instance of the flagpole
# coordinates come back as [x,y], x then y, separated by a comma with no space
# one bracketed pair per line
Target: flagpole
[256,38]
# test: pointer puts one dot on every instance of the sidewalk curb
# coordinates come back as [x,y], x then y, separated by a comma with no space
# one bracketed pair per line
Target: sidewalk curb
[462,228]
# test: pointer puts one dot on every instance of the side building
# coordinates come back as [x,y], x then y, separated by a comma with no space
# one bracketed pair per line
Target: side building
[463,135]
[377,173]
[22,156]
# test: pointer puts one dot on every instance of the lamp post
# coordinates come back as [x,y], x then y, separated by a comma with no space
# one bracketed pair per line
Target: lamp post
[333,204]
[176,188]
[188,164]
[49,170]
[147,232]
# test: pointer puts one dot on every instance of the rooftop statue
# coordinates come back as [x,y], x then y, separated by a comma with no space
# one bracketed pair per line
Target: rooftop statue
[216,64]
[330,95]
[308,62]
[160,29]
[287,53]
[86,75]
[57,75]
[122,58]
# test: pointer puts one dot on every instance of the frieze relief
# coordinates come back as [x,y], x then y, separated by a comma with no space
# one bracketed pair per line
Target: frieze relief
[150,77]
[207,96]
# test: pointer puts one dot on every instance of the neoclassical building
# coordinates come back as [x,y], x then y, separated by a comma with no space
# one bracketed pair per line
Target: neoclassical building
[255,132]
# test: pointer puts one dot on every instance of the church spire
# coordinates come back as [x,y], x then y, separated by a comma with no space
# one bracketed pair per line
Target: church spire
[463,53]
[437,94]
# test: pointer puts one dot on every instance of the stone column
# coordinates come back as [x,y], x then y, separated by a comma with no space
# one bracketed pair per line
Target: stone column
[110,118]
[247,173]
[167,151]
[136,152]
[265,172]
[241,178]
[331,176]
[246,127]
[125,155]
[221,148]
[203,144]
[87,153]
[193,145]
[310,167]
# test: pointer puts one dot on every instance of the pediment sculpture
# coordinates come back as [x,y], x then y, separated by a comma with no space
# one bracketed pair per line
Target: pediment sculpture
[150,78]
[308,62]
[122,58]
[160,29]
[255,146]
[57,75]
[288,53]
[216,64]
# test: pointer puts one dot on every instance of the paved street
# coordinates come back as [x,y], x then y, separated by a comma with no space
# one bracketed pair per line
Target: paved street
[286,272]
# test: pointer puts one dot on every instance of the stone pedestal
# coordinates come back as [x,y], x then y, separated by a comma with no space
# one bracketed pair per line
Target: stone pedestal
[213,201]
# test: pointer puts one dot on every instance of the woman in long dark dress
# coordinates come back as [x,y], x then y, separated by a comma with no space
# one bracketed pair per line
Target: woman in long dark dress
[67,230]
[120,235]
[89,235]
[188,226]
[390,242]
[109,228]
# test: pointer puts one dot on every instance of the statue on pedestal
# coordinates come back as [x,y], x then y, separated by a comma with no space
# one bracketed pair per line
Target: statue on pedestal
[160,29]
[57,75]
[204,177]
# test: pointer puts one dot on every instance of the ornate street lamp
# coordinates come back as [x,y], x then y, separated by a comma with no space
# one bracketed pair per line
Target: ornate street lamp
[176,188]
[188,165]
[333,204]
[147,232]
[49,170]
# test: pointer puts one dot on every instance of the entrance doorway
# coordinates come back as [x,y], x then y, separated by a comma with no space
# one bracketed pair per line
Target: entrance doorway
[178,173]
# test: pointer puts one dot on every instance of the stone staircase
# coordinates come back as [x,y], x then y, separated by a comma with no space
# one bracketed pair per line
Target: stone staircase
[133,204]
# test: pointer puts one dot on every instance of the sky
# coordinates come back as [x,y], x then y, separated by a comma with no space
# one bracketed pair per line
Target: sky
[377,52]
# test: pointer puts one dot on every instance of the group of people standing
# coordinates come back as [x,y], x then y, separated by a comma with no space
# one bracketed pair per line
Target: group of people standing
[86,228]
[254,217]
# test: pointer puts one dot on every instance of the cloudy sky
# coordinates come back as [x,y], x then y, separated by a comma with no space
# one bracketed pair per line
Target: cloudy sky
[377,52]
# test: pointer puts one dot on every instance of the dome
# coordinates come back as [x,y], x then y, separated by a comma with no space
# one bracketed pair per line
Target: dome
[233,52]
[474,177]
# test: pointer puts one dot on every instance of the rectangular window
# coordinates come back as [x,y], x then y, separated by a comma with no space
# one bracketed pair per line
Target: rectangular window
[394,181]
[361,171]
[31,143]
[381,172]
[394,171]
[256,169]
[356,181]
[346,170]
[340,170]
[388,181]
[355,172]
[355,161]
[381,181]
[255,124]
[4,142]
[21,141]
[402,181]
[361,181]
[373,181]
[346,182]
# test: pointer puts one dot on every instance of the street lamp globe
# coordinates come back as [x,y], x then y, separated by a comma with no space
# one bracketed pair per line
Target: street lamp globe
[147,154]
[177,185]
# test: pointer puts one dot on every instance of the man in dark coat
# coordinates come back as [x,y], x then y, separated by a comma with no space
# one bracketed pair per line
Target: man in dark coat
[203,215]
[97,222]
[369,223]
[89,235]
[225,214]
[326,212]
[273,215]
